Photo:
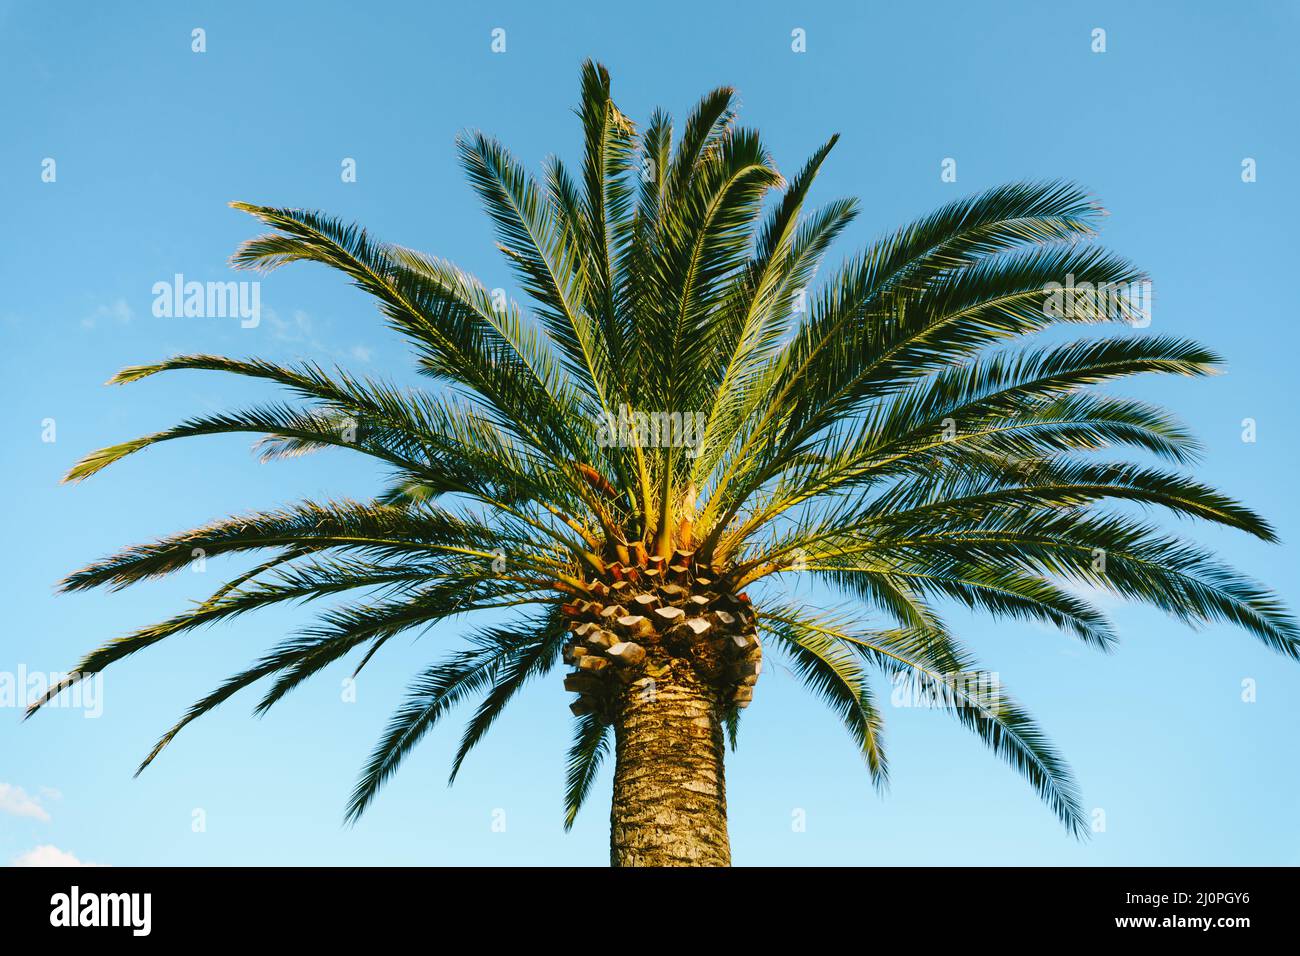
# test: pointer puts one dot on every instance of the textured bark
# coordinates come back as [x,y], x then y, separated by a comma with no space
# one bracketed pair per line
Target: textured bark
[664,650]
[670,804]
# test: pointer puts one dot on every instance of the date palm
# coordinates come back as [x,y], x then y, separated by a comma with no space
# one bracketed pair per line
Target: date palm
[674,424]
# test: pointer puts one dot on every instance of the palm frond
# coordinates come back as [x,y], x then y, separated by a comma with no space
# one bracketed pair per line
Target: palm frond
[590,746]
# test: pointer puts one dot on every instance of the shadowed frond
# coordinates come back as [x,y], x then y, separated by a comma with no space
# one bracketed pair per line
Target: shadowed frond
[430,697]
[590,745]
[940,675]
[830,669]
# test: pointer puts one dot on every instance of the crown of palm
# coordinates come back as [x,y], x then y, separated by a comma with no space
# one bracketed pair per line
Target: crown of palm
[876,434]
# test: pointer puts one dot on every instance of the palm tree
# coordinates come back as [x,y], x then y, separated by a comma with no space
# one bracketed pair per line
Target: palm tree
[677,423]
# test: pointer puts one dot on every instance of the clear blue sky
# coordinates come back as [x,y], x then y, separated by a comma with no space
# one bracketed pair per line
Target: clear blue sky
[152,140]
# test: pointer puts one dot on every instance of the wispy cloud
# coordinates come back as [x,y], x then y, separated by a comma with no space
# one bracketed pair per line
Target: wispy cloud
[17,801]
[47,855]
[118,311]
[1104,600]
[297,329]
[302,331]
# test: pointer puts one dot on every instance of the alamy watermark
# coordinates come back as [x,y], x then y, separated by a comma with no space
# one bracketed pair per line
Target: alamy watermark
[1128,301]
[209,300]
[632,429]
[981,690]
[22,688]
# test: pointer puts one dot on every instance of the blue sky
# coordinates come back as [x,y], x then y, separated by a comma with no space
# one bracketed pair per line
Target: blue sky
[151,140]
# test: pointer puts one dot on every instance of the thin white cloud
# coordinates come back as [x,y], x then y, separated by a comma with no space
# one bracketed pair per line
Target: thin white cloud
[297,329]
[118,311]
[17,801]
[47,855]
[302,331]
[1102,599]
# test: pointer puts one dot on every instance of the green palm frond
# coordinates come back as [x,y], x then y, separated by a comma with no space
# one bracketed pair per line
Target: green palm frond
[830,669]
[430,697]
[590,746]
[942,675]
[533,659]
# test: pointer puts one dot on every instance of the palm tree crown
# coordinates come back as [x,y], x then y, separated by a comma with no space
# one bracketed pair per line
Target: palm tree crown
[681,415]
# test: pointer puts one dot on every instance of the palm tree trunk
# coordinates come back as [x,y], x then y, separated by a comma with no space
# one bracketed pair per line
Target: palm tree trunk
[670,803]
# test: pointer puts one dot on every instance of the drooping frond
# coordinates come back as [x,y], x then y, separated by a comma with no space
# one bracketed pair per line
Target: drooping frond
[590,745]
[430,697]
[939,674]
[533,659]
[830,669]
